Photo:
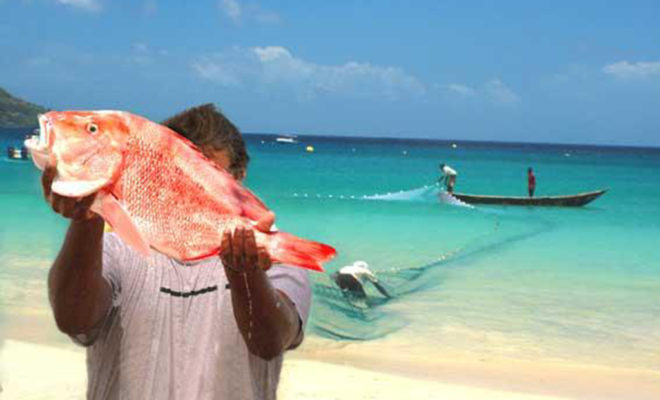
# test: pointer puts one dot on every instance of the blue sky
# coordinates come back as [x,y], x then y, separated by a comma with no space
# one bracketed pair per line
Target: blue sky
[560,71]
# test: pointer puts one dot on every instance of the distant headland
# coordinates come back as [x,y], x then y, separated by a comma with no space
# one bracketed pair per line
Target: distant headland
[16,113]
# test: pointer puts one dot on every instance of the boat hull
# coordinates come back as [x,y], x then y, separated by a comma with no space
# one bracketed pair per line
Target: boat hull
[575,200]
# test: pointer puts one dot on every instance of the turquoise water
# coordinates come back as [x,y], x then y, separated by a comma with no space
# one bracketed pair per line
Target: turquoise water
[536,283]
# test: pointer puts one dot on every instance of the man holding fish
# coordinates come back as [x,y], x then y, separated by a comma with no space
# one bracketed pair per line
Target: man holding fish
[179,322]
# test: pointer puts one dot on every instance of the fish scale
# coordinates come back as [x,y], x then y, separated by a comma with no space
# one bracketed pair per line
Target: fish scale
[149,179]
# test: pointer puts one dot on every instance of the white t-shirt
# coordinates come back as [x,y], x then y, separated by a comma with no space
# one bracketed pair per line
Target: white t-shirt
[171,332]
[449,171]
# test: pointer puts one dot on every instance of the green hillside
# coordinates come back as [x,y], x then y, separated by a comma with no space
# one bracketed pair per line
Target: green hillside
[15,112]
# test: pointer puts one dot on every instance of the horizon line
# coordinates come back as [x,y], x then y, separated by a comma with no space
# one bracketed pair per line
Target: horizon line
[427,139]
[442,140]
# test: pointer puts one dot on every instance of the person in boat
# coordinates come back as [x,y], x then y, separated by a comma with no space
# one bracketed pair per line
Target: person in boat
[447,177]
[531,182]
[351,280]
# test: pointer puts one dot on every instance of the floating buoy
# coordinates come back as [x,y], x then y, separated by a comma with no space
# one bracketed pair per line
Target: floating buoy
[405,152]
[309,149]
[453,145]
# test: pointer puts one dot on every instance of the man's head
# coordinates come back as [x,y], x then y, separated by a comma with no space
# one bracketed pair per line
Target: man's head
[215,136]
[529,170]
[442,166]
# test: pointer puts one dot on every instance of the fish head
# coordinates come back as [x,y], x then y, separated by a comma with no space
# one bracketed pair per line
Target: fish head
[85,147]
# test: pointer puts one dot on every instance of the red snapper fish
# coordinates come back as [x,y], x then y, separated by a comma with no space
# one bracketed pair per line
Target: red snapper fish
[155,188]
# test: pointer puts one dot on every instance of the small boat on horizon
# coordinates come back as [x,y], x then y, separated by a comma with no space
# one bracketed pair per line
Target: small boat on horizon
[17,153]
[574,200]
[287,139]
[21,152]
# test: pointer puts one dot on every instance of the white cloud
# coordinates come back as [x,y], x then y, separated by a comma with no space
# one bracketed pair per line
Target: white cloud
[141,47]
[218,70]
[265,16]
[232,8]
[143,53]
[87,5]
[461,90]
[238,12]
[625,69]
[493,90]
[500,93]
[276,66]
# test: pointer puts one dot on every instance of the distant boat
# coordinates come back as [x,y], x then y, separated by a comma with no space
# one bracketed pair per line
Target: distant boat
[287,139]
[17,153]
[575,200]
[21,153]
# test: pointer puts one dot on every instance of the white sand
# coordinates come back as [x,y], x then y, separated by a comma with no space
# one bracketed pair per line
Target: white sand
[359,371]
[362,366]
[302,379]
[35,372]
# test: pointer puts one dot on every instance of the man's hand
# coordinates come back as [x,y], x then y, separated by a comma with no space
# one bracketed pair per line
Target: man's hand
[266,317]
[68,207]
[240,253]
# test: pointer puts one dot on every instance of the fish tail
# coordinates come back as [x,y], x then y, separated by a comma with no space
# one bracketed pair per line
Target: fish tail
[292,250]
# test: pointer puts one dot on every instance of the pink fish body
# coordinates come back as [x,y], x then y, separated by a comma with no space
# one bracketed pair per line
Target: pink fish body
[155,188]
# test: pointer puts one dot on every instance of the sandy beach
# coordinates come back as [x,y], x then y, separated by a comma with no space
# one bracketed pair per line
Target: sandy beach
[373,370]
[357,371]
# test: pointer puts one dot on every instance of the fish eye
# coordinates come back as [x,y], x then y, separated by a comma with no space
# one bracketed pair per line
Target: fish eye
[92,128]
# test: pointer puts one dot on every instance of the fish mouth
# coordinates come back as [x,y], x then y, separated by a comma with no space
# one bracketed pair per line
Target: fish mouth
[40,143]
[44,130]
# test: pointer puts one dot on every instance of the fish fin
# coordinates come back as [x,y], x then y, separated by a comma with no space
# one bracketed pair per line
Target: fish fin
[113,212]
[266,223]
[292,250]
[77,188]
[252,207]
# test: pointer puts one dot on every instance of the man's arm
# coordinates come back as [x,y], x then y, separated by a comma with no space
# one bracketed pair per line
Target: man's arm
[266,317]
[79,295]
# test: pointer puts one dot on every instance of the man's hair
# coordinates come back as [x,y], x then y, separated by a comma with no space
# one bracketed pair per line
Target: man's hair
[206,126]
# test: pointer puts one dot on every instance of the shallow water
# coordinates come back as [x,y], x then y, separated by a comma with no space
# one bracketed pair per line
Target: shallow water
[580,284]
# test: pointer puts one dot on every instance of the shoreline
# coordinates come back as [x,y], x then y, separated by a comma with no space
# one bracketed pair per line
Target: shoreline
[325,370]
[501,375]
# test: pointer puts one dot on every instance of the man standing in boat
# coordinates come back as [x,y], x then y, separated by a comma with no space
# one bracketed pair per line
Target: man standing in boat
[448,177]
[531,181]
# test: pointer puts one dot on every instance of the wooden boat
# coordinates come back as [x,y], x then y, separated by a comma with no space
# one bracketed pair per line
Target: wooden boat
[575,200]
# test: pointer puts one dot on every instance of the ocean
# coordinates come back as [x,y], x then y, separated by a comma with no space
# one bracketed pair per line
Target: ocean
[565,284]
